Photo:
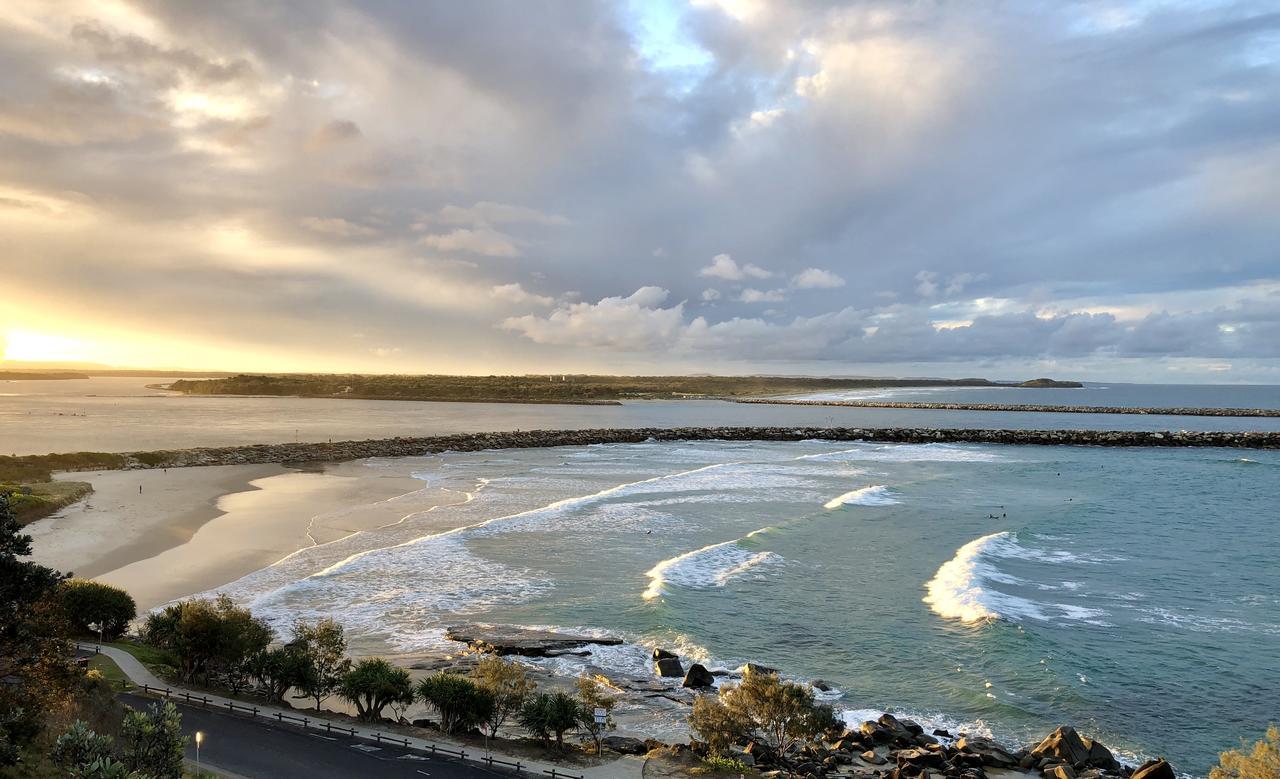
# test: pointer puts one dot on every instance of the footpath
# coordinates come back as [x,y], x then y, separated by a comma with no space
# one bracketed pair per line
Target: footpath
[625,767]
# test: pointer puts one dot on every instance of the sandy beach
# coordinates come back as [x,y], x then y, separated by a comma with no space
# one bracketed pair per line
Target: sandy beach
[193,529]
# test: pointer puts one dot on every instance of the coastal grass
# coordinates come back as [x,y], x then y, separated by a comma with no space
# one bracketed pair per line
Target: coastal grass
[36,501]
[109,670]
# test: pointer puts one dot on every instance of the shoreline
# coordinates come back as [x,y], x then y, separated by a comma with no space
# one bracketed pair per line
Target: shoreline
[1027,407]
[194,530]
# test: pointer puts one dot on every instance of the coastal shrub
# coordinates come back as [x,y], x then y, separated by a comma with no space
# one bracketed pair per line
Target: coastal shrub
[205,637]
[548,715]
[80,746]
[373,684]
[151,741]
[96,608]
[1261,762]
[725,764]
[325,647]
[591,696]
[763,708]
[509,685]
[461,703]
[280,669]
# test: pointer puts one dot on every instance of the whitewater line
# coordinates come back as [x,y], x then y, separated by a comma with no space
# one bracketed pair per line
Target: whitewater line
[579,500]
[956,590]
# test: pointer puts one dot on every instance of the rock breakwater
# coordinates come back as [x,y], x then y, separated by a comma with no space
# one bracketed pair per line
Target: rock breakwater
[341,451]
[1177,411]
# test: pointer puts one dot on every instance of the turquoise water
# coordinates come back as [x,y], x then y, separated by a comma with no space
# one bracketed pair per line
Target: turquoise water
[1132,593]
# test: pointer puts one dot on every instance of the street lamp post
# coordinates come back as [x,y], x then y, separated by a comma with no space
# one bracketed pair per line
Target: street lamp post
[199,738]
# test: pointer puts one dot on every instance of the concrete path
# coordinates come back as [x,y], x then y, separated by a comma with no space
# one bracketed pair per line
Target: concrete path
[625,767]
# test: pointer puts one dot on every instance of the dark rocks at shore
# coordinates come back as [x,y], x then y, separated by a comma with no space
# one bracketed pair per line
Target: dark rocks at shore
[341,451]
[698,677]
[662,654]
[1069,747]
[669,668]
[1176,411]
[512,640]
[753,668]
[1154,769]
[624,745]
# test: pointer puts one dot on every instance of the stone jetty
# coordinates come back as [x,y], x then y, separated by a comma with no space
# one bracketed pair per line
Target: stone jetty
[1178,411]
[341,451]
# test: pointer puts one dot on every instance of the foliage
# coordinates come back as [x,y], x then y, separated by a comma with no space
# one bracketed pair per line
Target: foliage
[80,746]
[325,648]
[508,683]
[204,637]
[277,670]
[34,655]
[152,742]
[105,768]
[93,607]
[590,698]
[1262,762]
[373,684]
[549,714]
[726,764]
[762,708]
[461,703]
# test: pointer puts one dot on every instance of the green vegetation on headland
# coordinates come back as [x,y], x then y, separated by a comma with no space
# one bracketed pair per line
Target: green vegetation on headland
[40,375]
[553,388]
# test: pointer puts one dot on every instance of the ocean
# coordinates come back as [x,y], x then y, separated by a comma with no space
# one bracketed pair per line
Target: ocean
[1133,593]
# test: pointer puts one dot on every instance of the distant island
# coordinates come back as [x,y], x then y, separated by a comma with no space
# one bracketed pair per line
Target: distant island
[554,388]
[40,375]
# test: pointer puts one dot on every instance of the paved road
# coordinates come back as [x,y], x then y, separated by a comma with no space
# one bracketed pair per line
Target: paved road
[263,750]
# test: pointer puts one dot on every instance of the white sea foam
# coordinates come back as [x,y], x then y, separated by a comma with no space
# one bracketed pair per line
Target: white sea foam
[714,565]
[962,587]
[877,495]
[910,453]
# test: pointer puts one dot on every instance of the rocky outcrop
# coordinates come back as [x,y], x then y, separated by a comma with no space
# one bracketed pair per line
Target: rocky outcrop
[340,451]
[669,668]
[1067,746]
[511,640]
[698,677]
[624,745]
[1154,769]
[1178,411]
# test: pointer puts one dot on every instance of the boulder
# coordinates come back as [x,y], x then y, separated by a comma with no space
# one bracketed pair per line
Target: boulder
[1064,744]
[698,677]
[992,754]
[912,727]
[818,684]
[514,640]
[875,732]
[752,668]
[920,756]
[1060,772]
[1154,769]
[662,654]
[669,667]
[760,753]
[1101,757]
[624,745]
[871,757]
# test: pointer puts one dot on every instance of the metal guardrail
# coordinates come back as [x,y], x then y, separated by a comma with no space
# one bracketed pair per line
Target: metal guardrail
[307,723]
[554,774]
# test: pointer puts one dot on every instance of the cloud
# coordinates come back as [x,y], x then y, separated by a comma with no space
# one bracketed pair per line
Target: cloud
[725,267]
[337,226]
[750,295]
[633,323]
[816,278]
[488,213]
[514,293]
[710,294]
[489,243]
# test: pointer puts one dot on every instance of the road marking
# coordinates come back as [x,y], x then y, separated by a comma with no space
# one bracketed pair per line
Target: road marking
[424,773]
[366,747]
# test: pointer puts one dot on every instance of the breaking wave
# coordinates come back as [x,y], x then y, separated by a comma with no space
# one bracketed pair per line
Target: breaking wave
[714,565]
[962,588]
[878,495]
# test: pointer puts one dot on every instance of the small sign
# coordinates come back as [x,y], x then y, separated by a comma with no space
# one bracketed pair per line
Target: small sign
[601,716]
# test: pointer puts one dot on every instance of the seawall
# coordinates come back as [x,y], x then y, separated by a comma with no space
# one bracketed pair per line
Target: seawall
[1180,411]
[339,451]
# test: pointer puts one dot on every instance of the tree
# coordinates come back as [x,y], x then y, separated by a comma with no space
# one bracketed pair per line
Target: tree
[373,684]
[549,714]
[590,698]
[762,708]
[34,655]
[1262,762]
[206,636]
[280,669]
[152,742]
[461,703]
[97,608]
[80,746]
[508,683]
[325,647]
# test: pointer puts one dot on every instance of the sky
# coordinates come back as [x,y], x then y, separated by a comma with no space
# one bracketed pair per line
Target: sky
[1071,188]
